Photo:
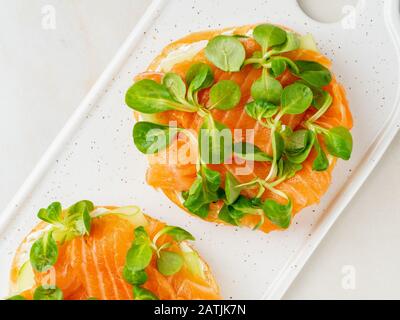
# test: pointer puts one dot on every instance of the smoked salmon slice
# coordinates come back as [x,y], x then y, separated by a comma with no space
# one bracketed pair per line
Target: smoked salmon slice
[92,266]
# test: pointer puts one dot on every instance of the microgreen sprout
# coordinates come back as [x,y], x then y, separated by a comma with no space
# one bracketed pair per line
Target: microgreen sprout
[140,255]
[66,225]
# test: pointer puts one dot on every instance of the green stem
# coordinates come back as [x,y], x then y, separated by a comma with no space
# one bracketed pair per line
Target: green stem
[196,100]
[316,128]
[162,247]
[154,242]
[261,191]
[321,111]
[288,61]
[156,237]
[261,222]
[276,191]
[277,182]
[250,184]
[273,126]
[194,141]
[202,112]
[263,185]
[267,124]
[253,61]
[278,117]
[185,107]
[267,55]
[272,171]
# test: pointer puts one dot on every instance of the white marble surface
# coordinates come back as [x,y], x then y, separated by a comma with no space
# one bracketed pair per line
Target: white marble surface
[46,73]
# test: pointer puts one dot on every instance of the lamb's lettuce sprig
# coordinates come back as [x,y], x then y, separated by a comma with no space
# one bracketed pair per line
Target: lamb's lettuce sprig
[237,206]
[149,97]
[43,293]
[142,252]
[65,225]
[294,99]
[204,191]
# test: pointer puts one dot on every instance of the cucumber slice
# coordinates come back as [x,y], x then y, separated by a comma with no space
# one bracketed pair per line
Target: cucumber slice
[182,54]
[26,278]
[192,260]
[307,42]
[150,118]
[131,213]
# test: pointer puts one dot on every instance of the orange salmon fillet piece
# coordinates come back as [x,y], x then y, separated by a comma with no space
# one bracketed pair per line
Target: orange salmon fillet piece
[92,267]
[305,188]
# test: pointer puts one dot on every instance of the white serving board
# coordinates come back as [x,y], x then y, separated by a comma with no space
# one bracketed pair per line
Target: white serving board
[94,157]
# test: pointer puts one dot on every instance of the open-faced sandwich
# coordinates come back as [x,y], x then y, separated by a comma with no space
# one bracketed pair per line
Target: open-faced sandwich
[86,252]
[243,125]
